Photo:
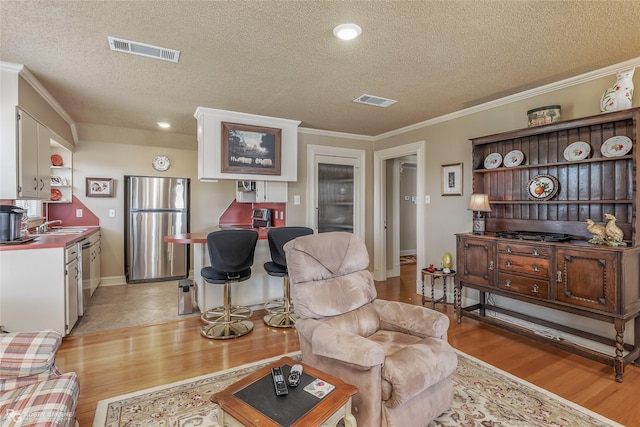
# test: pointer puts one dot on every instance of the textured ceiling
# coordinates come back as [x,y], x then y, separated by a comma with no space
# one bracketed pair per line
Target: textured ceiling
[280,58]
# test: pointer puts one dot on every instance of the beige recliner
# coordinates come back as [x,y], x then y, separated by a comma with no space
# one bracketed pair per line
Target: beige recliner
[395,353]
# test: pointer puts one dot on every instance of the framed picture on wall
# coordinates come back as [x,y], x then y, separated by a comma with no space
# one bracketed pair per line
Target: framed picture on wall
[452,179]
[99,187]
[250,149]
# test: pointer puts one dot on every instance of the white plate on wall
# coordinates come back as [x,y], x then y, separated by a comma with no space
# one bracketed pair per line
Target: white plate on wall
[616,146]
[492,161]
[579,150]
[513,158]
[542,187]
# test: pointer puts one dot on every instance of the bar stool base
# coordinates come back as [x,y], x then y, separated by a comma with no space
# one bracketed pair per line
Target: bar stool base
[226,330]
[280,320]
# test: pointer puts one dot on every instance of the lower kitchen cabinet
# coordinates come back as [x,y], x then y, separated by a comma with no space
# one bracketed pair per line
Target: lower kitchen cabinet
[40,288]
[33,290]
[598,282]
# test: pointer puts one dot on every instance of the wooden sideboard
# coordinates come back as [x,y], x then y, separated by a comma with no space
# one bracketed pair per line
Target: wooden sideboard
[596,281]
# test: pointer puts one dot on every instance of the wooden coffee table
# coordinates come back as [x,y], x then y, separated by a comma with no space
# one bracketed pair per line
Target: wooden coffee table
[252,401]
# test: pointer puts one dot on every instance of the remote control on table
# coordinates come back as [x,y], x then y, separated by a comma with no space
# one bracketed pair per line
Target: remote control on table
[278,381]
[294,376]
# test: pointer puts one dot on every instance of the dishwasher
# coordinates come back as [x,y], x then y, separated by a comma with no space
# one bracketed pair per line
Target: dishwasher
[89,251]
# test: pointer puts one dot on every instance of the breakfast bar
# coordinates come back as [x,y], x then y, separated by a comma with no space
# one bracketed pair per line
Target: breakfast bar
[256,291]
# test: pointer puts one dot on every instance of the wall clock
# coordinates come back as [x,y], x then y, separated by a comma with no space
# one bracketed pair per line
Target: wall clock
[161,163]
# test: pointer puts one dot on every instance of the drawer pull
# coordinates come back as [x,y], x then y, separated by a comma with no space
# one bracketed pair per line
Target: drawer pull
[535,252]
[535,289]
[507,284]
[509,249]
[508,264]
[536,268]
[491,265]
[559,280]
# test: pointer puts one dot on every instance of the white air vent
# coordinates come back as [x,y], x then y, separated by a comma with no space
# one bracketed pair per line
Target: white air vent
[374,100]
[127,46]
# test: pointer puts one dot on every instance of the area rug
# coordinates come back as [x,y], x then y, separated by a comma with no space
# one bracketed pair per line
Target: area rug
[407,259]
[484,397]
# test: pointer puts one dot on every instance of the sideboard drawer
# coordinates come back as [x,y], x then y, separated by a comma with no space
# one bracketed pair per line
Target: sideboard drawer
[508,263]
[524,249]
[524,285]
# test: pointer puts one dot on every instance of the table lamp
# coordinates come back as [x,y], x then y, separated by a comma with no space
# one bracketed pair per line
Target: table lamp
[479,203]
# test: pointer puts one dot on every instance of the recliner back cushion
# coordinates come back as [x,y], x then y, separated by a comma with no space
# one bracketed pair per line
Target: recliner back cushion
[328,274]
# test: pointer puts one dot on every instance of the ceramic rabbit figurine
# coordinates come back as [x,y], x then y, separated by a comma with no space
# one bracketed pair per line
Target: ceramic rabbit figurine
[618,97]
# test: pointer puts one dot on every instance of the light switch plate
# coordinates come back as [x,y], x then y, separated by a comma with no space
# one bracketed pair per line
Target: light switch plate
[78,213]
[427,199]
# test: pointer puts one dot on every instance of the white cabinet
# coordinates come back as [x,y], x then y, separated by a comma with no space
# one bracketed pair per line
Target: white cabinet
[94,276]
[262,192]
[33,288]
[40,287]
[271,191]
[33,161]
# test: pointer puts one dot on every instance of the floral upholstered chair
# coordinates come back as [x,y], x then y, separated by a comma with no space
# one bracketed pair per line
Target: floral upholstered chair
[395,353]
[32,389]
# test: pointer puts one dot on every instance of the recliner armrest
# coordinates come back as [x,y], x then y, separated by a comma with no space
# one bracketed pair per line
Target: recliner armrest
[411,319]
[341,345]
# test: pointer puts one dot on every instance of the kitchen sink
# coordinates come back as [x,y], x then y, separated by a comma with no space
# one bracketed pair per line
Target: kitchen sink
[66,230]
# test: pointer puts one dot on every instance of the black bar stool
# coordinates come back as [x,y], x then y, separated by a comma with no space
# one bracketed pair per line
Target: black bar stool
[231,255]
[280,311]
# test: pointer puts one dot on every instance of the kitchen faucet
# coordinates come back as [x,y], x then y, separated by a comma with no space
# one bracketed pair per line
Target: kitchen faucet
[45,226]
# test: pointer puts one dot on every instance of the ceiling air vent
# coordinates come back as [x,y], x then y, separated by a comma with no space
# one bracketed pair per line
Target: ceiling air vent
[374,100]
[128,46]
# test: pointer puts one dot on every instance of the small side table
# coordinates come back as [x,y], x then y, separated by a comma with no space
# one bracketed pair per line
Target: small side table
[433,276]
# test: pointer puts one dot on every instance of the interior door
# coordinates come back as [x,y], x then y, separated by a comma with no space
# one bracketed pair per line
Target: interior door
[336,192]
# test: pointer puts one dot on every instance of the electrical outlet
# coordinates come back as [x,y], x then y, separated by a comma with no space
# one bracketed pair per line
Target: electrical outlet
[78,213]
[427,199]
[296,199]
[112,213]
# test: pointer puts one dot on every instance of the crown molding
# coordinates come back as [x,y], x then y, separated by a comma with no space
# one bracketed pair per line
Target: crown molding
[44,93]
[551,87]
[335,134]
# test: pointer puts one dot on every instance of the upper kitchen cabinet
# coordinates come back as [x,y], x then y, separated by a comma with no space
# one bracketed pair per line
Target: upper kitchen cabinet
[33,158]
[241,146]
[31,122]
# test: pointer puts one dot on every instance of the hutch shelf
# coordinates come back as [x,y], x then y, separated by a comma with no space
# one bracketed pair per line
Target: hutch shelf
[573,276]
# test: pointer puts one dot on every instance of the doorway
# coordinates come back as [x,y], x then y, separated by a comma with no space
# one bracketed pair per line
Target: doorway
[335,187]
[380,200]
[400,222]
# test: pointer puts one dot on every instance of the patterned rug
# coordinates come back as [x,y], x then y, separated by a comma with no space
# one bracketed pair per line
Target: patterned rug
[484,397]
[407,259]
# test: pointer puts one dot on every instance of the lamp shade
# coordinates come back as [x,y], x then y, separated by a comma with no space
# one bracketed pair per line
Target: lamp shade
[479,203]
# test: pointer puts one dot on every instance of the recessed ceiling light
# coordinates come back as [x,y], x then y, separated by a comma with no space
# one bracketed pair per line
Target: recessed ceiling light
[347,31]
[164,125]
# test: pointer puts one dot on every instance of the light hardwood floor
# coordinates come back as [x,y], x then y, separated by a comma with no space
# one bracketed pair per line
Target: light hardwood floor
[125,360]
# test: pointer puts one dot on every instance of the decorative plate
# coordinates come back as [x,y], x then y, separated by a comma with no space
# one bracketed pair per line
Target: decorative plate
[56,194]
[161,163]
[579,150]
[616,146]
[513,158]
[542,187]
[56,160]
[492,161]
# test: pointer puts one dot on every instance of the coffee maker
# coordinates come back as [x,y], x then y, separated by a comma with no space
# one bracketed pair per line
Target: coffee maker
[10,223]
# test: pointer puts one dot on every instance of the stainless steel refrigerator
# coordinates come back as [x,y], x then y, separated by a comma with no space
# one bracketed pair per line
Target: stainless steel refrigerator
[155,207]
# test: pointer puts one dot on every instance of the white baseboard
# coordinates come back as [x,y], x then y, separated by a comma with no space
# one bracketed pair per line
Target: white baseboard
[408,252]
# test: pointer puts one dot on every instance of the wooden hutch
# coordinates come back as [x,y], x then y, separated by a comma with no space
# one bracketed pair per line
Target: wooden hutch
[574,276]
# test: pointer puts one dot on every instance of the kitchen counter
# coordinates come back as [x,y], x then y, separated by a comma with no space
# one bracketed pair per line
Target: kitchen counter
[259,289]
[52,240]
